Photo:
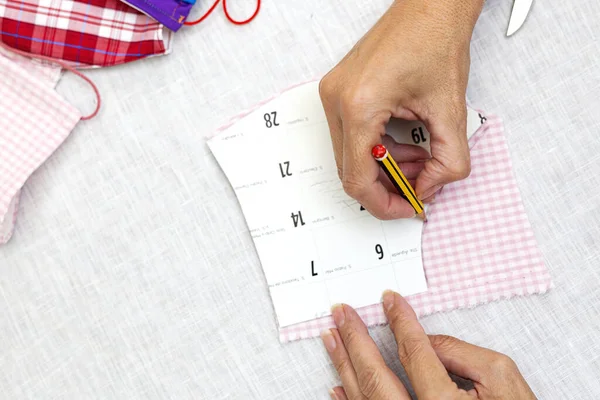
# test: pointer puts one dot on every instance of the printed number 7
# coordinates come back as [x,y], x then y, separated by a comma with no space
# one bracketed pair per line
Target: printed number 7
[268,121]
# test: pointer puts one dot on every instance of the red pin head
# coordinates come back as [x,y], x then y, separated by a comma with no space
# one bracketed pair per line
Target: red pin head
[379,151]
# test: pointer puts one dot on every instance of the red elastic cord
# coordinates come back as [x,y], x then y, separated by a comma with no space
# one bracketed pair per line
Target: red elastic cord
[64,65]
[233,21]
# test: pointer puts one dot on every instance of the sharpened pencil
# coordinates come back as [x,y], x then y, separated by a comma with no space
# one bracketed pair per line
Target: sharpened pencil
[391,169]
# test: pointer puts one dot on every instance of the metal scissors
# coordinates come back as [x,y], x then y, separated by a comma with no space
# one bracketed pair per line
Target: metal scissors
[519,14]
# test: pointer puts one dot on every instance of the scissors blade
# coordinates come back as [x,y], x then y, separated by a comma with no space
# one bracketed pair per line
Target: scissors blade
[519,14]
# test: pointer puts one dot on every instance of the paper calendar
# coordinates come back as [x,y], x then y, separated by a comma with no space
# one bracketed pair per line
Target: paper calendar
[316,245]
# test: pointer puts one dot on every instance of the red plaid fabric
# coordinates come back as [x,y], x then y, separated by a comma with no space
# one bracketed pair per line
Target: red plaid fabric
[83,33]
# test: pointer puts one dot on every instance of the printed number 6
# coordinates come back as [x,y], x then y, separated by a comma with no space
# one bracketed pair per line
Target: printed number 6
[379,251]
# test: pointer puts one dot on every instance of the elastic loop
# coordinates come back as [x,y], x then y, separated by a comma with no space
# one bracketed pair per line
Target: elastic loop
[202,18]
[244,21]
[212,8]
[65,66]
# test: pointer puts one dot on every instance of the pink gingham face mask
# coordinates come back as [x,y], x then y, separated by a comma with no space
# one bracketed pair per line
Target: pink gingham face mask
[34,122]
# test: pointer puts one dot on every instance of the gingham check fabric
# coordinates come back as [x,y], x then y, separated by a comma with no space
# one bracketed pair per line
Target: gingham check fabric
[34,121]
[83,33]
[478,245]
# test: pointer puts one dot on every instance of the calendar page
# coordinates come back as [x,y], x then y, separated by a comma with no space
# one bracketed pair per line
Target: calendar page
[317,246]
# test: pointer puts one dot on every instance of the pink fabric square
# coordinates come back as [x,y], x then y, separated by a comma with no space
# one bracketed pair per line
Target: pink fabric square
[478,245]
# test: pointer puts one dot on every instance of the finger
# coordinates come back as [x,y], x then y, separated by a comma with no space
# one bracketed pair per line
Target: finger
[411,170]
[375,379]
[361,171]
[465,359]
[423,368]
[338,393]
[334,123]
[387,183]
[450,160]
[342,363]
[337,141]
[430,199]
[402,152]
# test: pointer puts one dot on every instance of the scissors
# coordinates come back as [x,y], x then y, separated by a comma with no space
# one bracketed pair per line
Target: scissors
[519,13]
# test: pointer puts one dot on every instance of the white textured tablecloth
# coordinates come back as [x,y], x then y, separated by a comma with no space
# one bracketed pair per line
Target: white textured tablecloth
[131,274]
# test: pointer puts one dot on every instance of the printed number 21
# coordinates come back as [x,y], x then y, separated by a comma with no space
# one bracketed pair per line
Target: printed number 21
[270,123]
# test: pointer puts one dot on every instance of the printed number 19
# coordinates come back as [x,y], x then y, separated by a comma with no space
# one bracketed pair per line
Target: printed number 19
[270,123]
[379,251]
[417,135]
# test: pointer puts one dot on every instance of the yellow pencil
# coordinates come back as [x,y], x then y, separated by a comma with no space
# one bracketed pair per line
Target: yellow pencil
[391,169]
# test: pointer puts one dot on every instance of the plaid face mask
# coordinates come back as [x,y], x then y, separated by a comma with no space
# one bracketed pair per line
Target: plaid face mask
[34,122]
[83,33]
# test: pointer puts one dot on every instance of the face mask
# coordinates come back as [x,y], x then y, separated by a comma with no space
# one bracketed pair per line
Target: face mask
[171,13]
[83,33]
[34,122]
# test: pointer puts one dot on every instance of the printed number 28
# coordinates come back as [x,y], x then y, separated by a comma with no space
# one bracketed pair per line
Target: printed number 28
[271,122]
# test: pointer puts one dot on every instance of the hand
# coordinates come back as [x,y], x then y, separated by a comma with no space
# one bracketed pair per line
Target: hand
[413,65]
[426,360]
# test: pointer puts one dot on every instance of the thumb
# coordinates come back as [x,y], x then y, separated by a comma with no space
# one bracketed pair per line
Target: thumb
[450,160]
[464,359]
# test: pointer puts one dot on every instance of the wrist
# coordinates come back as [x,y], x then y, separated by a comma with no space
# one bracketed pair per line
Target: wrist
[452,18]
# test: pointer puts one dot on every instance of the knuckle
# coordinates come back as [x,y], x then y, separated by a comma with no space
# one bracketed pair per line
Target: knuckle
[460,169]
[355,99]
[343,366]
[326,87]
[502,366]
[350,337]
[410,349]
[352,187]
[443,342]
[369,381]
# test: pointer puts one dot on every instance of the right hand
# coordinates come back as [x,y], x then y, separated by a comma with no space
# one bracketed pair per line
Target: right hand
[426,360]
[413,65]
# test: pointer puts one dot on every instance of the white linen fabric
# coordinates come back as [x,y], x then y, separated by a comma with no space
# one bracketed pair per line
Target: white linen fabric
[131,273]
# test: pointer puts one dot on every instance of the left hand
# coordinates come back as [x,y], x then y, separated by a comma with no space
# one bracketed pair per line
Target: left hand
[426,360]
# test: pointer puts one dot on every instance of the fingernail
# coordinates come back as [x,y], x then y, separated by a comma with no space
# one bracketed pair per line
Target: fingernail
[430,191]
[333,395]
[328,340]
[388,299]
[338,315]
[429,200]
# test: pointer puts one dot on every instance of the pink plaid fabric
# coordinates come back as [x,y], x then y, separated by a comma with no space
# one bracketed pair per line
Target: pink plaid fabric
[34,121]
[478,245]
[83,33]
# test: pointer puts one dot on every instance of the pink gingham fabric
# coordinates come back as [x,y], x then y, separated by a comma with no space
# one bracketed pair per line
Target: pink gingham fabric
[34,121]
[478,245]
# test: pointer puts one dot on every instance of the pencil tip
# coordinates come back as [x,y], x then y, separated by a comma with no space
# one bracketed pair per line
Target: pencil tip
[422,216]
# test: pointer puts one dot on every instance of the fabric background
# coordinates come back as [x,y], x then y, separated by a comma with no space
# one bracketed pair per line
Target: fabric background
[131,274]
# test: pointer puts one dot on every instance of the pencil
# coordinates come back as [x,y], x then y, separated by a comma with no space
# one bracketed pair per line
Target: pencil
[391,169]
